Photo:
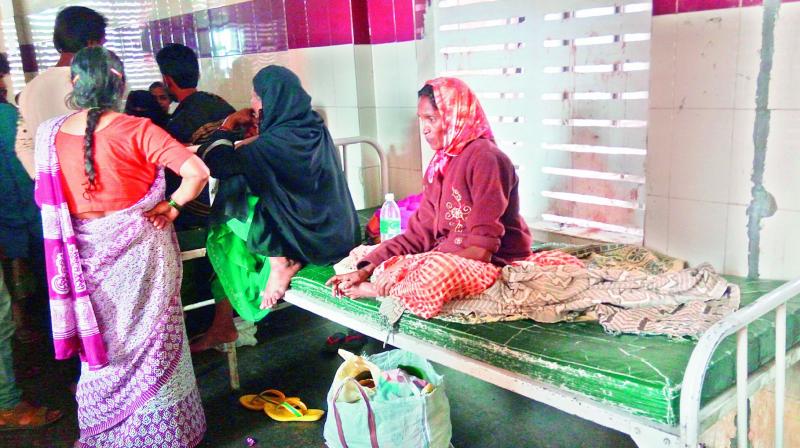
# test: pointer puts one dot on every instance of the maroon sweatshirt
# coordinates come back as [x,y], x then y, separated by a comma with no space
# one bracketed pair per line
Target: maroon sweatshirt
[476,203]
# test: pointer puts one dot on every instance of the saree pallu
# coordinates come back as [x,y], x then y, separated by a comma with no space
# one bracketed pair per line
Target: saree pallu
[147,394]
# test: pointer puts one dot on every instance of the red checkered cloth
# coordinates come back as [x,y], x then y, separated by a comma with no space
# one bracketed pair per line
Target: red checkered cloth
[425,282]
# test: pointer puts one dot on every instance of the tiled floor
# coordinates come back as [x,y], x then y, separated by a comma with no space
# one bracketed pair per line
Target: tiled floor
[288,358]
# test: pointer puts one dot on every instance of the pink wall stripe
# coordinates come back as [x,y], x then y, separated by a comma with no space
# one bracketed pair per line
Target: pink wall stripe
[296,23]
[404,20]
[319,23]
[360,22]
[276,25]
[341,22]
[705,5]
[663,7]
[381,21]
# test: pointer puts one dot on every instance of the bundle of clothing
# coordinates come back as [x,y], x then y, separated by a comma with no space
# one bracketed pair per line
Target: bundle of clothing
[627,289]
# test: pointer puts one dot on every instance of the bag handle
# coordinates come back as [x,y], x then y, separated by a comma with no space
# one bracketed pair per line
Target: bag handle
[373,436]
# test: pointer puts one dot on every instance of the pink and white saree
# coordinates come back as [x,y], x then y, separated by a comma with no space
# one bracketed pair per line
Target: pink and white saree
[114,287]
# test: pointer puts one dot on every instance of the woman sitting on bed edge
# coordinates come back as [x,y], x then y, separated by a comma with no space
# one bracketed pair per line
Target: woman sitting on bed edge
[468,224]
[283,200]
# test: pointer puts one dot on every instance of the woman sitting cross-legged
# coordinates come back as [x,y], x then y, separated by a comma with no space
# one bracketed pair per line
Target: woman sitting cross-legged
[468,224]
[283,200]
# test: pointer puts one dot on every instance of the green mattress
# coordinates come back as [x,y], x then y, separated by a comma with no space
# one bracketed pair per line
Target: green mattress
[640,374]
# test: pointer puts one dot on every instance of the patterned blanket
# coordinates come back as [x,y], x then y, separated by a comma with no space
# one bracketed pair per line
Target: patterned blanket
[678,304]
[627,289]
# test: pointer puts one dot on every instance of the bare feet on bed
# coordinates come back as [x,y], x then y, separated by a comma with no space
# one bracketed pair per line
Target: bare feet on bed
[282,270]
[360,290]
[222,330]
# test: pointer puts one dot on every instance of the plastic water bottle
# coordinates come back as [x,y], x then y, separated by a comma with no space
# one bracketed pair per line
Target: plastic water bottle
[390,218]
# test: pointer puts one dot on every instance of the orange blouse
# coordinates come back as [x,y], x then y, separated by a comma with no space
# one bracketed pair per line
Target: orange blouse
[127,153]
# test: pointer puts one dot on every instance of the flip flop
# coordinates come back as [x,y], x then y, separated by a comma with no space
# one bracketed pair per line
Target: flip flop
[31,417]
[257,402]
[293,410]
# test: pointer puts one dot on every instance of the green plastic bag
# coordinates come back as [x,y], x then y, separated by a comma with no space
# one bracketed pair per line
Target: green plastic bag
[421,421]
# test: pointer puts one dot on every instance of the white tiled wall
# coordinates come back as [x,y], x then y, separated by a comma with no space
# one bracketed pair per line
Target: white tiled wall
[700,143]
[387,102]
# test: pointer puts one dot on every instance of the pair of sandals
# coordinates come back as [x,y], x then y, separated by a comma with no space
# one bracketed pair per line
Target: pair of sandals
[28,416]
[279,407]
[353,342]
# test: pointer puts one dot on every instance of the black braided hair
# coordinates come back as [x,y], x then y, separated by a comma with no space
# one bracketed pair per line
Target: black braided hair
[98,85]
[92,118]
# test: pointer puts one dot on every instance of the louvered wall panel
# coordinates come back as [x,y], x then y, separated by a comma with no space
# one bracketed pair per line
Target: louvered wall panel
[565,84]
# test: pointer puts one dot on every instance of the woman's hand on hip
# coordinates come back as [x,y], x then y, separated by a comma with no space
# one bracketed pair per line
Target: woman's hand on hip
[161,215]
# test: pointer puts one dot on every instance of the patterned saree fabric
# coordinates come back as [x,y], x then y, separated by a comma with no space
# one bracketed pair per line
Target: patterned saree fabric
[463,120]
[75,329]
[115,300]
[424,283]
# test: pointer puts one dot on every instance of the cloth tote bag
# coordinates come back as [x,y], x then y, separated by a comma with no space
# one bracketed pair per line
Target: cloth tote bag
[420,421]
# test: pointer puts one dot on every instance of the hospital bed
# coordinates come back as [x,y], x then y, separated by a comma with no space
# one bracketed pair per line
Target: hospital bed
[662,392]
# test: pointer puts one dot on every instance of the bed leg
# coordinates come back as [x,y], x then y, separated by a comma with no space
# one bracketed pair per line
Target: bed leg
[233,365]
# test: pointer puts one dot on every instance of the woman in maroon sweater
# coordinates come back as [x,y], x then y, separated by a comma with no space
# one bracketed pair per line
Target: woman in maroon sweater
[468,224]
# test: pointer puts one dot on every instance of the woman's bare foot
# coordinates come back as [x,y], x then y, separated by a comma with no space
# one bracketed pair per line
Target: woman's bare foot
[222,330]
[360,290]
[282,270]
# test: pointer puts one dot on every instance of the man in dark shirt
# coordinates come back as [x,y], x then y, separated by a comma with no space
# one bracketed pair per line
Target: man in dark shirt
[197,116]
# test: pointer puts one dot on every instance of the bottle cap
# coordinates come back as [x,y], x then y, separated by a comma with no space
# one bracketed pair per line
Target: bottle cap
[389,197]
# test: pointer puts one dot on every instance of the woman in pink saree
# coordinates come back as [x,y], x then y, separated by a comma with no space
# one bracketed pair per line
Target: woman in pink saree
[113,263]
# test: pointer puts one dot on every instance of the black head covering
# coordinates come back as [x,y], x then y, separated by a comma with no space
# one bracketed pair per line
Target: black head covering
[304,211]
[141,103]
[290,131]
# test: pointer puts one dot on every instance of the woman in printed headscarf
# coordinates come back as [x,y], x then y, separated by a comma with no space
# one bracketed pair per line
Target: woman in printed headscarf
[468,224]
[283,200]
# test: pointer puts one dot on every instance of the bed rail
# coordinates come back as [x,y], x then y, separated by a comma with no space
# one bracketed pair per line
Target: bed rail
[738,322]
[384,167]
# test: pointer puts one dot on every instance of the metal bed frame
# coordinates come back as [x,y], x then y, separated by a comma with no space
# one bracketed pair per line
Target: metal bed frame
[646,433]
[694,417]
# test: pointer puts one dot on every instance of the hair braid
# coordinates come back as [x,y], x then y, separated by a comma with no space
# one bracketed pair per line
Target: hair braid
[98,80]
[92,118]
